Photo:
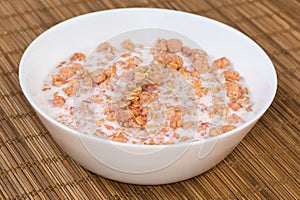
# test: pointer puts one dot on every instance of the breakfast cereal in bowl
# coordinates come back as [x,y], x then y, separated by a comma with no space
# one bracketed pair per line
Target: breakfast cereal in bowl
[154,94]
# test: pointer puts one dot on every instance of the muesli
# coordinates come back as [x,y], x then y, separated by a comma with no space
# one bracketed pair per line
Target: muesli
[164,94]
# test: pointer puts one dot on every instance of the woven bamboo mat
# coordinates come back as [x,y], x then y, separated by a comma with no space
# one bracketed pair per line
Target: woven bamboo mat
[264,166]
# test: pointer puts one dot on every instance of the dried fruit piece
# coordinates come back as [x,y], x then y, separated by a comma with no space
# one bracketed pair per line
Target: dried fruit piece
[234,90]
[66,72]
[174,45]
[99,76]
[100,122]
[119,137]
[58,100]
[222,63]
[249,109]
[187,125]
[77,67]
[244,100]
[173,61]
[140,120]
[199,60]
[218,109]
[186,51]
[227,128]
[215,131]
[72,88]
[105,47]
[234,119]
[131,62]
[161,45]
[113,69]
[58,81]
[234,106]
[231,75]
[201,91]
[196,84]
[111,116]
[108,127]
[128,44]
[176,121]
[78,57]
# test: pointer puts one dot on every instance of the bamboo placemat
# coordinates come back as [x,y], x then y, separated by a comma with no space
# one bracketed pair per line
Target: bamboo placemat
[264,166]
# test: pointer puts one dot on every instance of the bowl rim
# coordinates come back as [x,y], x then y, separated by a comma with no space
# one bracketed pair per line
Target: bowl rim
[37,108]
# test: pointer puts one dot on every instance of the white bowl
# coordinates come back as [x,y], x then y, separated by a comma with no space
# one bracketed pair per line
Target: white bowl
[145,164]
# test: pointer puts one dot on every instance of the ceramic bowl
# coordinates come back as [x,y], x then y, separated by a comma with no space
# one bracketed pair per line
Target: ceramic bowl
[146,164]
